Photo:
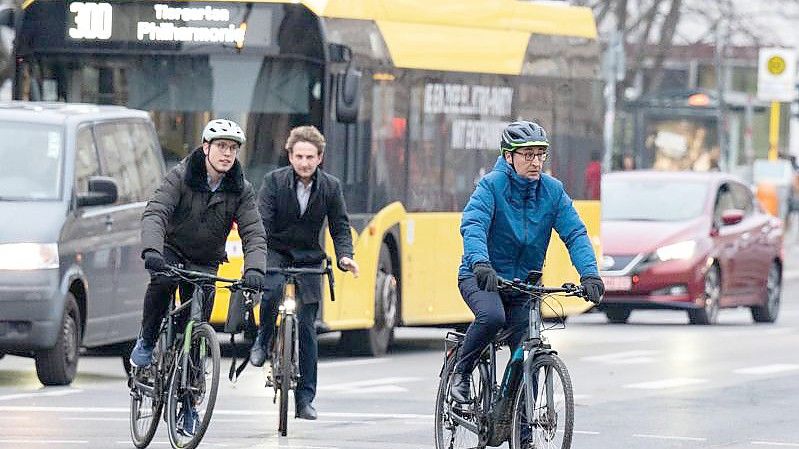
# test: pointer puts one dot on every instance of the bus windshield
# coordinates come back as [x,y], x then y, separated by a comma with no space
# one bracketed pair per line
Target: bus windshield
[31,167]
[683,143]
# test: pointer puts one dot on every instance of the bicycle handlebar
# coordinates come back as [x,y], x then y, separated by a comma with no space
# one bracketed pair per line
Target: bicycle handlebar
[294,271]
[568,288]
[195,276]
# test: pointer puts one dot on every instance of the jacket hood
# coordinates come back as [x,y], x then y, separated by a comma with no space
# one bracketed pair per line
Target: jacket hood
[197,176]
[517,182]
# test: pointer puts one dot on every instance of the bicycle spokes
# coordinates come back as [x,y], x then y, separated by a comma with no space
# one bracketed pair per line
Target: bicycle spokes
[546,422]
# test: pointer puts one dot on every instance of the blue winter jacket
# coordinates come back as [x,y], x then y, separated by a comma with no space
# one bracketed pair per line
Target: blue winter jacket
[509,220]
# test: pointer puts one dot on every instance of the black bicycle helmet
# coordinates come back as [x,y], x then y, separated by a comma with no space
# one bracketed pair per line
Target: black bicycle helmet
[523,134]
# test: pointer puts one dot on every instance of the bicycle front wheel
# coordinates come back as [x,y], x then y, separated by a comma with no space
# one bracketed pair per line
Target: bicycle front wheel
[458,425]
[549,421]
[285,351]
[192,394]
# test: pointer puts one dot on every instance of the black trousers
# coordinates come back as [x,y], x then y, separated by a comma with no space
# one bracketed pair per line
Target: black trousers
[309,293]
[160,291]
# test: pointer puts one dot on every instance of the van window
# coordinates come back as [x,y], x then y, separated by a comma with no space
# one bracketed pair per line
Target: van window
[30,161]
[146,151]
[86,163]
[117,155]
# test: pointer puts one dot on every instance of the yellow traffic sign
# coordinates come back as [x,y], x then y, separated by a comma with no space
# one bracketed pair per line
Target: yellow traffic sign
[776,65]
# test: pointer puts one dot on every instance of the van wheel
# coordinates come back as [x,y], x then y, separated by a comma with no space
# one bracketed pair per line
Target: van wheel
[58,365]
[376,340]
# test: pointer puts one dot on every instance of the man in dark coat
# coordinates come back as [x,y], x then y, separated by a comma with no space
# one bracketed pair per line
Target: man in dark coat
[294,202]
[188,220]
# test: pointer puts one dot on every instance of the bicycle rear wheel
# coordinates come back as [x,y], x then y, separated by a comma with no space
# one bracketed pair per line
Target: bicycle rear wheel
[191,404]
[285,351]
[551,423]
[459,425]
[146,403]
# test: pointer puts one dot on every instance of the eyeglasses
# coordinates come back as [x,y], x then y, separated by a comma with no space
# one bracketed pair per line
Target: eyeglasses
[226,148]
[529,156]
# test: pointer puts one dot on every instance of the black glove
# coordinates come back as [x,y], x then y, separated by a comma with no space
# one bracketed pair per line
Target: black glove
[153,260]
[254,279]
[594,288]
[486,276]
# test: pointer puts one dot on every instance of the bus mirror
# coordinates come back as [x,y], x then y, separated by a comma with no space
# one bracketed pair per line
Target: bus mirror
[7,17]
[348,95]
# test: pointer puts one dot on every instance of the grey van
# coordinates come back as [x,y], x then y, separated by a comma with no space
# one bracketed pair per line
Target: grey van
[74,180]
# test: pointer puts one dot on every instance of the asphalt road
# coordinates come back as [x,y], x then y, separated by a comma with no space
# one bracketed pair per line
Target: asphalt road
[653,383]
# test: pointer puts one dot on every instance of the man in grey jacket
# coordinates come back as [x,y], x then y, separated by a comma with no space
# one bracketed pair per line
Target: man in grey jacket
[188,220]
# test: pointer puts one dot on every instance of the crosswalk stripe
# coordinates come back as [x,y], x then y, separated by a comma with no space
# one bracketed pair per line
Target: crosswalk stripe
[767,369]
[666,383]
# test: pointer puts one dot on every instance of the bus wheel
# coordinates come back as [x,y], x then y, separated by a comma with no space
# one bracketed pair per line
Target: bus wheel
[376,340]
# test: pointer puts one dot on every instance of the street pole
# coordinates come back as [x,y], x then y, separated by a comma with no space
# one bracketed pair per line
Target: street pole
[721,81]
[774,131]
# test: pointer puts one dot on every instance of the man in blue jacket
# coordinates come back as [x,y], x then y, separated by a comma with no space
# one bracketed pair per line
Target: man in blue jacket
[506,228]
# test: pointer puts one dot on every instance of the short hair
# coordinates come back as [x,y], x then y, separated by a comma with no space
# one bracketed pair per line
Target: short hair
[308,134]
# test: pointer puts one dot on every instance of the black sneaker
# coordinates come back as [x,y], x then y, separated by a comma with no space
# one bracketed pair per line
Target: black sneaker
[461,387]
[258,353]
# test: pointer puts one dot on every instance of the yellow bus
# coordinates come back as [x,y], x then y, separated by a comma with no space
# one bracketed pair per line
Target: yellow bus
[410,94]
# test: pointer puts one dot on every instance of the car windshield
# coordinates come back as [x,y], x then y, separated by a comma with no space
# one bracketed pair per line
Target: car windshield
[31,161]
[652,199]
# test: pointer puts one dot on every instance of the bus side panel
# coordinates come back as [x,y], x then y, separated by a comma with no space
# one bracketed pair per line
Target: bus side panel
[354,307]
[231,270]
[558,267]
[431,253]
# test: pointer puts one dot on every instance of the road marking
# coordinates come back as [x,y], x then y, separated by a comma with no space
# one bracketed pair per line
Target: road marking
[25,408]
[623,358]
[666,383]
[586,432]
[11,397]
[90,418]
[775,443]
[790,274]
[780,331]
[45,441]
[767,369]
[356,362]
[668,437]
[350,387]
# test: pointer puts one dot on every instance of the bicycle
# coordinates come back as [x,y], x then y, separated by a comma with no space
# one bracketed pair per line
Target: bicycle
[499,412]
[181,364]
[284,350]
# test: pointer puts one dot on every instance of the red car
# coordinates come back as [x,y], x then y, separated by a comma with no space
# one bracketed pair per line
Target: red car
[690,241]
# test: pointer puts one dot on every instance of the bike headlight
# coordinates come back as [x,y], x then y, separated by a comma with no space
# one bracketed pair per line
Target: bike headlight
[28,256]
[290,304]
[677,251]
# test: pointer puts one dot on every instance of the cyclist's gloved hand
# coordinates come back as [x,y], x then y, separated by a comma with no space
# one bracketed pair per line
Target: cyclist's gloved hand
[594,288]
[486,276]
[153,260]
[254,279]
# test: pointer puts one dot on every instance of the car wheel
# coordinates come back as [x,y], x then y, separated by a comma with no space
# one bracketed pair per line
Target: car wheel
[709,312]
[376,340]
[618,315]
[58,365]
[767,313]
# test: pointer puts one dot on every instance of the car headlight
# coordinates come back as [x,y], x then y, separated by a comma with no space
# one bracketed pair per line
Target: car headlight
[677,251]
[28,256]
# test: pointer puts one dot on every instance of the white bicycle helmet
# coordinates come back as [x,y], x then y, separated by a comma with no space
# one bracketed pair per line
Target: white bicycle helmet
[223,129]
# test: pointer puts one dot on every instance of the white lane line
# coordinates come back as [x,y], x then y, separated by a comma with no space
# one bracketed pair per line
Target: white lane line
[668,437]
[347,386]
[11,397]
[767,369]
[45,442]
[24,408]
[790,274]
[624,357]
[91,418]
[357,362]
[775,443]
[586,432]
[780,331]
[666,383]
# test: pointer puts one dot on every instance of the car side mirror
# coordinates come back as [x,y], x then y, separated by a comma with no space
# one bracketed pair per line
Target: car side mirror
[732,216]
[102,190]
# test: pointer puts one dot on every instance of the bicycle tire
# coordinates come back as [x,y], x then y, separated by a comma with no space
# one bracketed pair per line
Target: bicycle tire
[142,435]
[177,396]
[450,435]
[286,354]
[554,416]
